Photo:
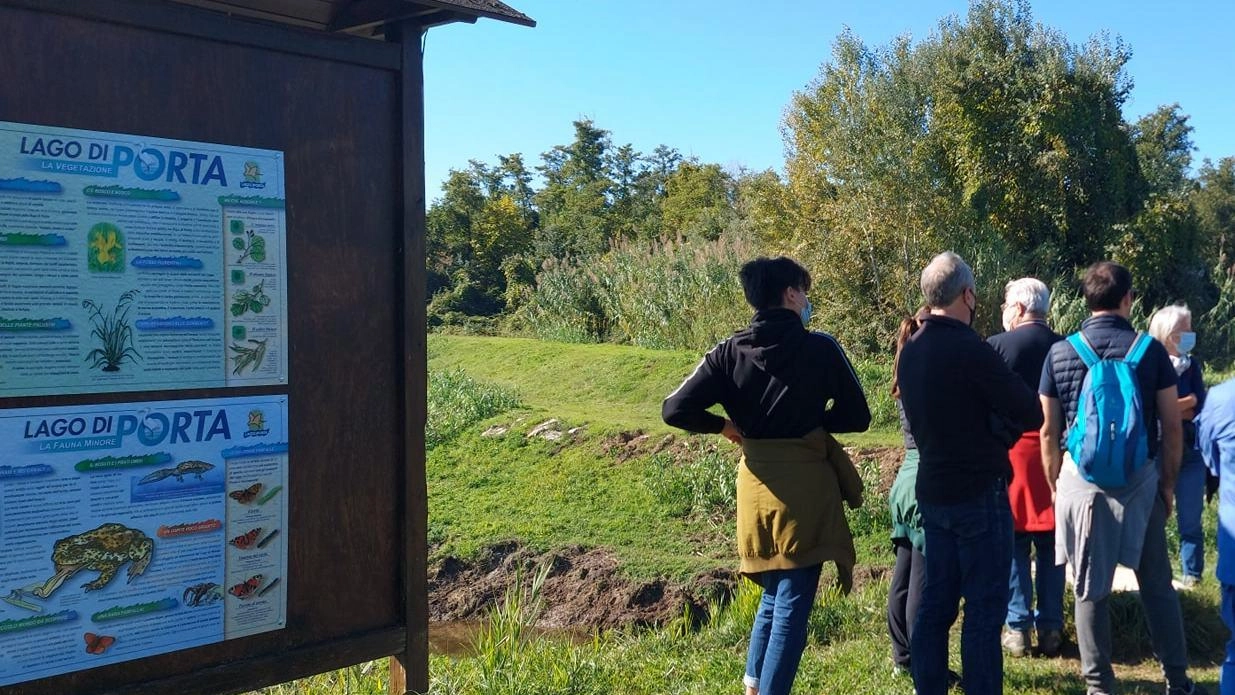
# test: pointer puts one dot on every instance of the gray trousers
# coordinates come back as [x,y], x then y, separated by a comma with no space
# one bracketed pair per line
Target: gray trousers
[1161,603]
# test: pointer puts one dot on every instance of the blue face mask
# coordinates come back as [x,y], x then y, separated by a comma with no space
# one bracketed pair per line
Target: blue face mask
[1187,341]
[805,313]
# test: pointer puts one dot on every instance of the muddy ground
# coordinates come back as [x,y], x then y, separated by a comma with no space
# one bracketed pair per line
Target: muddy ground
[585,586]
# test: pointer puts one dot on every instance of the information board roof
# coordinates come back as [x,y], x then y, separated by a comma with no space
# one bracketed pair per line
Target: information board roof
[365,17]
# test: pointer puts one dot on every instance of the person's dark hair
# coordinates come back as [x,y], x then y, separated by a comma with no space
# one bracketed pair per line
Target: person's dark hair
[909,326]
[1106,283]
[764,280]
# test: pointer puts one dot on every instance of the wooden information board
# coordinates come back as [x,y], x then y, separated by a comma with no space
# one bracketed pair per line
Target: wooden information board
[346,115]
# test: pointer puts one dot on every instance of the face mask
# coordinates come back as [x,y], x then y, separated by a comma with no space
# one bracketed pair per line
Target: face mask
[806,312]
[973,310]
[1009,315]
[1187,341]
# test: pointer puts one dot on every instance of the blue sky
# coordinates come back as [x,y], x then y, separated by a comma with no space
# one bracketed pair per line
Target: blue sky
[712,78]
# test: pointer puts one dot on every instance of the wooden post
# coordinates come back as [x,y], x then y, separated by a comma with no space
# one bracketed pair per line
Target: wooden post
[409,671]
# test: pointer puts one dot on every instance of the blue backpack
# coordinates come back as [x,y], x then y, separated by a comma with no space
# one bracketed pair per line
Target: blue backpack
[1107,440]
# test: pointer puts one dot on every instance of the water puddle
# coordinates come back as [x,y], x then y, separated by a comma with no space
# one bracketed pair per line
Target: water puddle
[458,637]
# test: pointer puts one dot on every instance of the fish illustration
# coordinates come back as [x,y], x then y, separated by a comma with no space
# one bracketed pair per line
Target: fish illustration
[182,469]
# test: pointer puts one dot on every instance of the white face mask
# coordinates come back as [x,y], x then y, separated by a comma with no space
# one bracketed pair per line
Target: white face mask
[1009,315]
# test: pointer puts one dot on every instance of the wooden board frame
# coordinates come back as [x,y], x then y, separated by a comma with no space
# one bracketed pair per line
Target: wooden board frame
[346,109]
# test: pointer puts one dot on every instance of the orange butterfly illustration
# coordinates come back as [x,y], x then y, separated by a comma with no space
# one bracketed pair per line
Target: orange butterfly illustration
[245,589]
[97,644]
[245,541]
[247,495]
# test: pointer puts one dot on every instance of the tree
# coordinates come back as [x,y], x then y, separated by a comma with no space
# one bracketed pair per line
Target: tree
[1161,245]
[1214,199]
[575,201]
[698,201]
[995,137]
[1164,149]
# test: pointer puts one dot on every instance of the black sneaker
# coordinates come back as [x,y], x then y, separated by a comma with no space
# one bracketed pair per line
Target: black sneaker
[1049,643]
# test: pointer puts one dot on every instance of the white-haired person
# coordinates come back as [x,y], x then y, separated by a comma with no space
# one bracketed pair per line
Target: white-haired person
[1024,344]
[1172,326]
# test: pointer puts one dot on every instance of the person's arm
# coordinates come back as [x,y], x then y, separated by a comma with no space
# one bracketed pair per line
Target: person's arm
[1050,434]
[687,407]
[1187,407]
[1206,436]
[1198,386]
[849,411]
[1004,390]
[1171,448]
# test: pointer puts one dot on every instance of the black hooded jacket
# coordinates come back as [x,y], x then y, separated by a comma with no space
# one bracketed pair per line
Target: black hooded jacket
[775,380]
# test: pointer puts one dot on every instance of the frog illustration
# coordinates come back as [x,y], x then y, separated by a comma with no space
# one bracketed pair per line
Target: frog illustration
[103,550]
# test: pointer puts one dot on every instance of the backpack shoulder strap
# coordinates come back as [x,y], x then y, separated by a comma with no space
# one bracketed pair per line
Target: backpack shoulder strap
[1082,347]
[1137,351]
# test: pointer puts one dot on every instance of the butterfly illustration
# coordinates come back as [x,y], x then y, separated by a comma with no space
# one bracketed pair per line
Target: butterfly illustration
[247,495]
[97,644]
[245,541]
[245,589]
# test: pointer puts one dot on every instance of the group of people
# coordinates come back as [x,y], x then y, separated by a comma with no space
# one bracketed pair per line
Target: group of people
[1025,453]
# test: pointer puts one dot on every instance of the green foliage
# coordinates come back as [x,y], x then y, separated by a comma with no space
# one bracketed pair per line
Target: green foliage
[113,333]
[698,201]
[502,644]
[1214,199]
[1215,328]
[675,295]
[456,401]
[1164,149]
[875,374]
[994,137]
[699,481]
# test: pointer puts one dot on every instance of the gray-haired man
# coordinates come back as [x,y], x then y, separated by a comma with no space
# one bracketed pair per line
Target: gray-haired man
[964,408]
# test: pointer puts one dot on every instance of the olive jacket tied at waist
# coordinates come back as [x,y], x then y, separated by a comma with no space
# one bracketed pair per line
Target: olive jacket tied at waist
[789,514]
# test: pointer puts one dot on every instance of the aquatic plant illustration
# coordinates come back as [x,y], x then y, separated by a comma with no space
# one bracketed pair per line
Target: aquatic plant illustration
[105,248]
[254,300]
[246,357]
[113,332]
[252,245]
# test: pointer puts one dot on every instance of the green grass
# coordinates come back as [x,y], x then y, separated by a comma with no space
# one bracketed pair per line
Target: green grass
[667,515]
[612,386]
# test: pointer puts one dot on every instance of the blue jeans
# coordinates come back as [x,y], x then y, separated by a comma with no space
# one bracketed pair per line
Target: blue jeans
[1050,579]
[1227,681]
[1189,498]
[968,555]
[779,633]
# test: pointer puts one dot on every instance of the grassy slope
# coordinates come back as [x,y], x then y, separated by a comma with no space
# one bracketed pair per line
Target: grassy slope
[613,386]
[485,490]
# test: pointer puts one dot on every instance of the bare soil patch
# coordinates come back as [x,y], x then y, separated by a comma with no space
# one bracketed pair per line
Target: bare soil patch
[584,588]
[888,458]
